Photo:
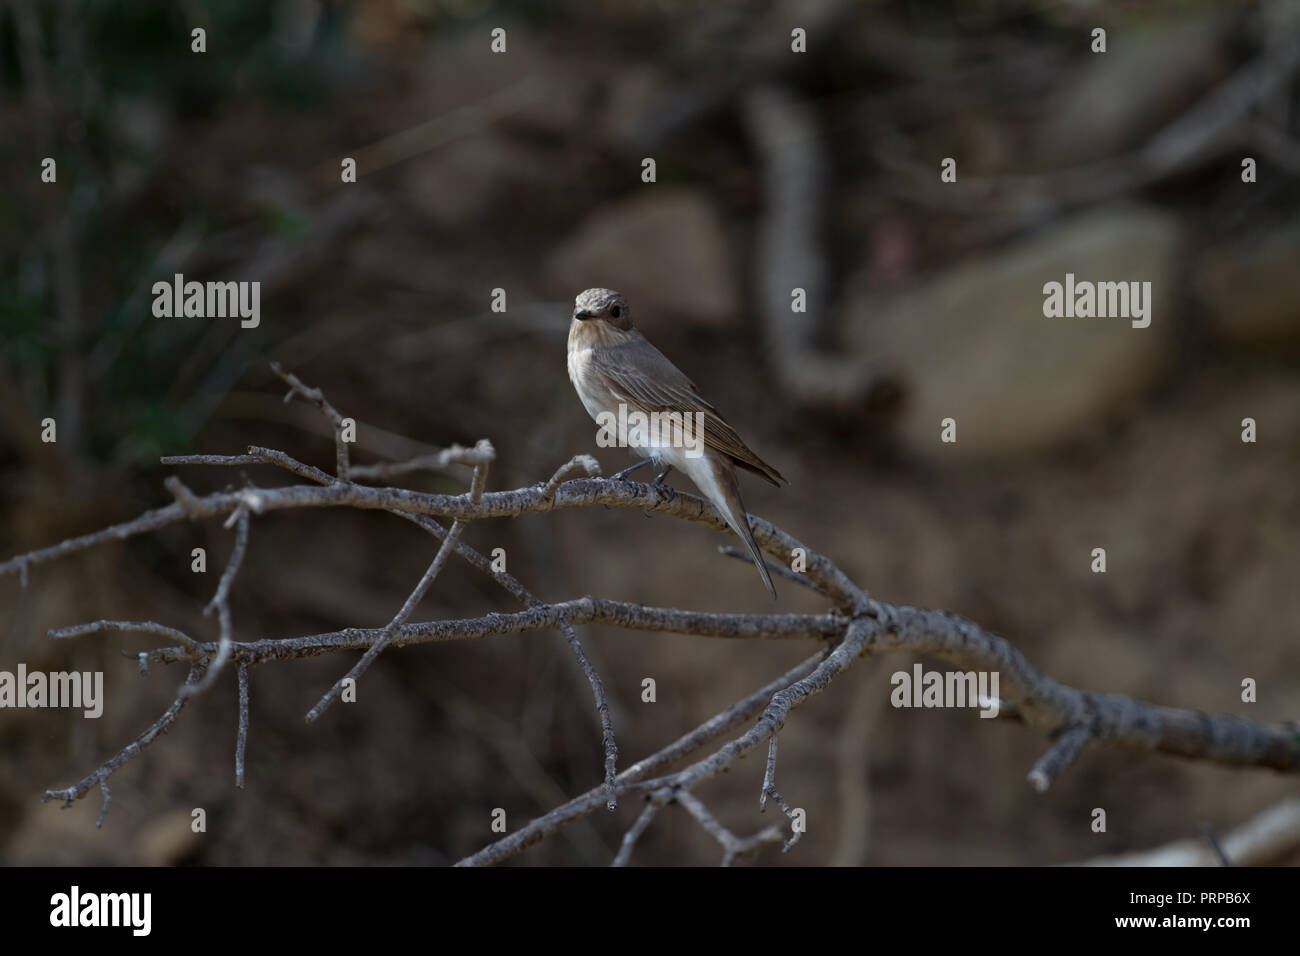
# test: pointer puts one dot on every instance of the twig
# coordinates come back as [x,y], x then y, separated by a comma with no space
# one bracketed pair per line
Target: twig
[732,845]
[110,766]
[317,398]
[683,746]
[144,627]
[221,603]
[479,482]
[578,463]
[210,460]
[773,566]
[241,738]
[436,461]
[1062,753]
[654,802]
[542,617]
[1207,831]
[386,636]
[1269,837]
[769,790]
[602,710]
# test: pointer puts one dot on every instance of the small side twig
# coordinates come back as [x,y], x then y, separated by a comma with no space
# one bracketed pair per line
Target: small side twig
[317,398]
[654,803]
[732,845]
[100,777]
[1060,755]
[221,603]
[774,567]
[241,738]
[210,460]
[144,627]
[477,487]
[435,461]
[578,463]
[1207,831]
[770,791]
[368,658]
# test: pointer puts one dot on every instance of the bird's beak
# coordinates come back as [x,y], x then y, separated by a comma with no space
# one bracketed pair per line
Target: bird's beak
[584,314]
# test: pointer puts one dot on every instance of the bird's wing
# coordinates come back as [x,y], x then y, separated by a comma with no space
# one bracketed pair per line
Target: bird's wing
[638,373]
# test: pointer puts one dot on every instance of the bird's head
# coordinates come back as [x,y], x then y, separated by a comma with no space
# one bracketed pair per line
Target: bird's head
[603,305]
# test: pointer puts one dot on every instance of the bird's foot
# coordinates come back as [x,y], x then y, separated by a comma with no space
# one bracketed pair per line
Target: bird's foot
[666,491]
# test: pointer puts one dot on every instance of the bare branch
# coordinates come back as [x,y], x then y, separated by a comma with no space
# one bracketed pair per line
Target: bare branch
[773,566]
[437,461]
[144,627]
[210,460]
[732,845]
[858,625]
[110,766]
[1267,838]
[394,625]
[582,492]
[541,617]
[1207,831]
[221,602]
[577,808]
[485,456]
[652,807]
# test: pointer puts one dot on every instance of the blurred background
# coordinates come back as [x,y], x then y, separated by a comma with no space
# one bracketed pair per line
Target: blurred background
[774,170]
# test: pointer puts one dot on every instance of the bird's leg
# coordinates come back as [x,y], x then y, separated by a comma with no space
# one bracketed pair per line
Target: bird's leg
[668,491]
[627,471]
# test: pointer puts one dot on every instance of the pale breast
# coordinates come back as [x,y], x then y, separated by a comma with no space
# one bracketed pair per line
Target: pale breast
[595,397]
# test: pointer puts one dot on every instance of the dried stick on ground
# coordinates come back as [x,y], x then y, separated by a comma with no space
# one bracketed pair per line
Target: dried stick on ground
[1270,837]
[854,625]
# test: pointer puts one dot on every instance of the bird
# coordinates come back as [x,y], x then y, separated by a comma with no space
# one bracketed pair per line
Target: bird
[614,368]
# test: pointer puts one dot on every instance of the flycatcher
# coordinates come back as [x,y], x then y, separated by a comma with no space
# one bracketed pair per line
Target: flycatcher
[621,378]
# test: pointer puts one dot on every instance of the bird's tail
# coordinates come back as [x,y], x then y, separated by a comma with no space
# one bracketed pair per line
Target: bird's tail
[733,509]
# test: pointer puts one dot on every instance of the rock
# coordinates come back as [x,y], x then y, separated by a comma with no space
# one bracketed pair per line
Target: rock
[1251,296]
[973,343]
[665,249]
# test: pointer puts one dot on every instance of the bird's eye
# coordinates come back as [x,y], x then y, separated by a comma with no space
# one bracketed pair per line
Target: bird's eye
[616,311]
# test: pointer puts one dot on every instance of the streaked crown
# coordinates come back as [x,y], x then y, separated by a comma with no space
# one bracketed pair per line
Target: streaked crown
[603,304]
